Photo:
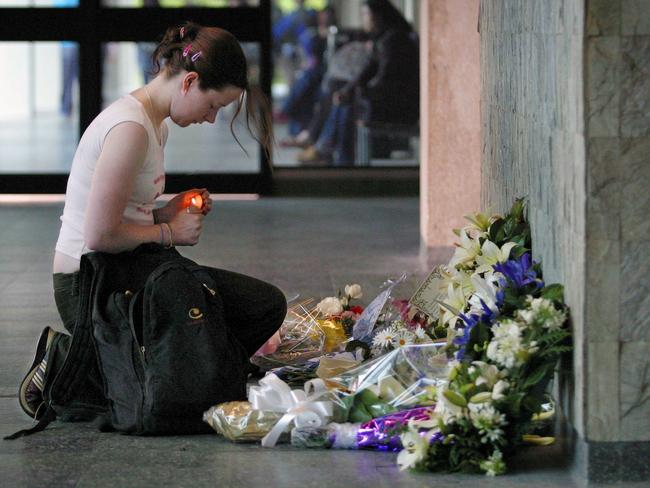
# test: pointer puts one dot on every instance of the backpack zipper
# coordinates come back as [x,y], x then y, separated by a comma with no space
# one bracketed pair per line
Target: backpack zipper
[212,292]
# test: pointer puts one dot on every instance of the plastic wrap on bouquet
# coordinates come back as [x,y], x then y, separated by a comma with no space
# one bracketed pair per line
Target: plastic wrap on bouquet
[362,330]
[301,339]
[402,378]
[322,367]
[380,433]
[239,422]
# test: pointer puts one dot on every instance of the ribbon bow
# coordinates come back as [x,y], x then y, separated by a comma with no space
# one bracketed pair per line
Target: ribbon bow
[300,407]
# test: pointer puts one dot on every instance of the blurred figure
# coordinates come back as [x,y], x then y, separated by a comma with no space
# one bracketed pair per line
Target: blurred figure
[305,91]
[146,49]
[287,32]
[69,64]
[385,90]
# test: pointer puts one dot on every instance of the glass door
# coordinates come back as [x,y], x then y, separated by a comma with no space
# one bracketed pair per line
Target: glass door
[72,59]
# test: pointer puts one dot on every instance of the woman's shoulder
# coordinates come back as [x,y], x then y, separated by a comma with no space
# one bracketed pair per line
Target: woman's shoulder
[124,109]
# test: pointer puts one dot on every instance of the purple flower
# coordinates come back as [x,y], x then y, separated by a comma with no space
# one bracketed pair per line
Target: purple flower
[470,323]
[520,271]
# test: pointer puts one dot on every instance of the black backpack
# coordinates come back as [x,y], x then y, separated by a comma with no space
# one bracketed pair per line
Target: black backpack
[150,350]
[165,353]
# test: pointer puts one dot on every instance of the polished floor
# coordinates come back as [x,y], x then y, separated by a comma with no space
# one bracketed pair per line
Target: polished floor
[309,248]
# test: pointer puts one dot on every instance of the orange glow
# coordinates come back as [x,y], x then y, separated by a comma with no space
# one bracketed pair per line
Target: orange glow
[197,201]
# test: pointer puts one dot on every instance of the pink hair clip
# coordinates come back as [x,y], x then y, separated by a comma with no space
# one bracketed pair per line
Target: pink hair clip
[196,56]
[182,32]
[187,50]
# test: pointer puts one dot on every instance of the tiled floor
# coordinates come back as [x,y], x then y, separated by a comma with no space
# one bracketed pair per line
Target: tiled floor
[305,246]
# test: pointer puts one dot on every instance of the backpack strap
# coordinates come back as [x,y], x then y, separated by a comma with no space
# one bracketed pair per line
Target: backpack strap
[81,352]
[48,417]
[98,273]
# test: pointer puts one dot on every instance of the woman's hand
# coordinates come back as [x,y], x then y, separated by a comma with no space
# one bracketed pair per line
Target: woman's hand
[181,202]
[186,227]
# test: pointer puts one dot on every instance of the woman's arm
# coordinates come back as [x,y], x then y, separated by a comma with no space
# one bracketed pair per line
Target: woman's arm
[122,156]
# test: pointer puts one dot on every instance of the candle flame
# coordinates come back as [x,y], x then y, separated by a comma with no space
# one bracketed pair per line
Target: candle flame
[197,201]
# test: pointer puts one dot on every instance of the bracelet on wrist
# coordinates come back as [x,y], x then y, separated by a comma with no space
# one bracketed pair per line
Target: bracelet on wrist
[162,235]
[171,239]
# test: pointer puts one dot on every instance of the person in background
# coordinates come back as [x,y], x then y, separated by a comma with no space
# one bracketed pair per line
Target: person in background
[385,90]
[69,64]
[287,32]
[305,91]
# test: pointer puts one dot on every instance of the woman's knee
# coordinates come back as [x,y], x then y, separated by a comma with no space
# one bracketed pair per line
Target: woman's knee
[278,304]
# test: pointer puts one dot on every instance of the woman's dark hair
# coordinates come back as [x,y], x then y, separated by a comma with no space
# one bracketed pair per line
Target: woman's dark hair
[387,15]
[222,63]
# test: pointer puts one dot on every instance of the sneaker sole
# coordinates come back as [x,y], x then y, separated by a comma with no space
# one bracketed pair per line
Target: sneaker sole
[41,349]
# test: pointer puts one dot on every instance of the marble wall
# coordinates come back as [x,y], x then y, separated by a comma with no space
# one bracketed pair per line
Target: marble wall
[533,142]
[566,122]
[617,114]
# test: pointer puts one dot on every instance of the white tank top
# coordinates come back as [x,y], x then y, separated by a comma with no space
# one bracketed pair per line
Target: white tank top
[149,183]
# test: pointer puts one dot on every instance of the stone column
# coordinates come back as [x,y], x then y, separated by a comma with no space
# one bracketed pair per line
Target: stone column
[450,156]
[617,283]
[565,108]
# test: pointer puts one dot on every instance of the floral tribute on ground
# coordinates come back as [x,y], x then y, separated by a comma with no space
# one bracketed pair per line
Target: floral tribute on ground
[456,386]
[505,332]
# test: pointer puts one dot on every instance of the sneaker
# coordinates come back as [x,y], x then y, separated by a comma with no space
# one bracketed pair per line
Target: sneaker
[30,394]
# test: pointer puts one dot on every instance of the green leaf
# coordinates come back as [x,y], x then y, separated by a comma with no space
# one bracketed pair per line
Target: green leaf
[533,403]
[554,292]
[496,229]
[538,375]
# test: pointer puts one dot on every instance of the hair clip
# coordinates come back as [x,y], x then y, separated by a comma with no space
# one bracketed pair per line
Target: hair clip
[182,33]
[196,56]
[187,50]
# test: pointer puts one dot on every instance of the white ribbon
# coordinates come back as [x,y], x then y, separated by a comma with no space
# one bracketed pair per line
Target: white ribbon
[300,407]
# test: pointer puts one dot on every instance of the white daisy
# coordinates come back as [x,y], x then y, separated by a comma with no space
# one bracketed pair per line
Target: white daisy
[403,337]
[384,338]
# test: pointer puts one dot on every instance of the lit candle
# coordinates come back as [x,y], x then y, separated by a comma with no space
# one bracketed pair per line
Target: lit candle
[197,201]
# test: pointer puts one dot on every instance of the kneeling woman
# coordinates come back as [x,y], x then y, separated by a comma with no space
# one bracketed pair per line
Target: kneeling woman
[118,173]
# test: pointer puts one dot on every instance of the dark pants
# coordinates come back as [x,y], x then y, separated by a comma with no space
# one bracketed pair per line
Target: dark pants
[252,309]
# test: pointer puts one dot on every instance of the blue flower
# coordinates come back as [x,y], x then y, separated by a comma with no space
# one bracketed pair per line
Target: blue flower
[520,271]
[488,313]
[470,323]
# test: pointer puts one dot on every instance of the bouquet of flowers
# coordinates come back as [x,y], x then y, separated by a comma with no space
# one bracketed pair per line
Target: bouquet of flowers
[308,333]
[336,316]
[401,325]
[505,331]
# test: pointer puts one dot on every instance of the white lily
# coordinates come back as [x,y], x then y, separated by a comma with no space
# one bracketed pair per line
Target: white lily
[490,374]
[463,279]
[491,255]
[466,251]
[499,388]
[415,450]
[480,221]
[454,303]
[484,289]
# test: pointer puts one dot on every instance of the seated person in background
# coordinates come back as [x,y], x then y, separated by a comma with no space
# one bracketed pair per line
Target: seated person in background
[305,91]
[286,33]
[385,90]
